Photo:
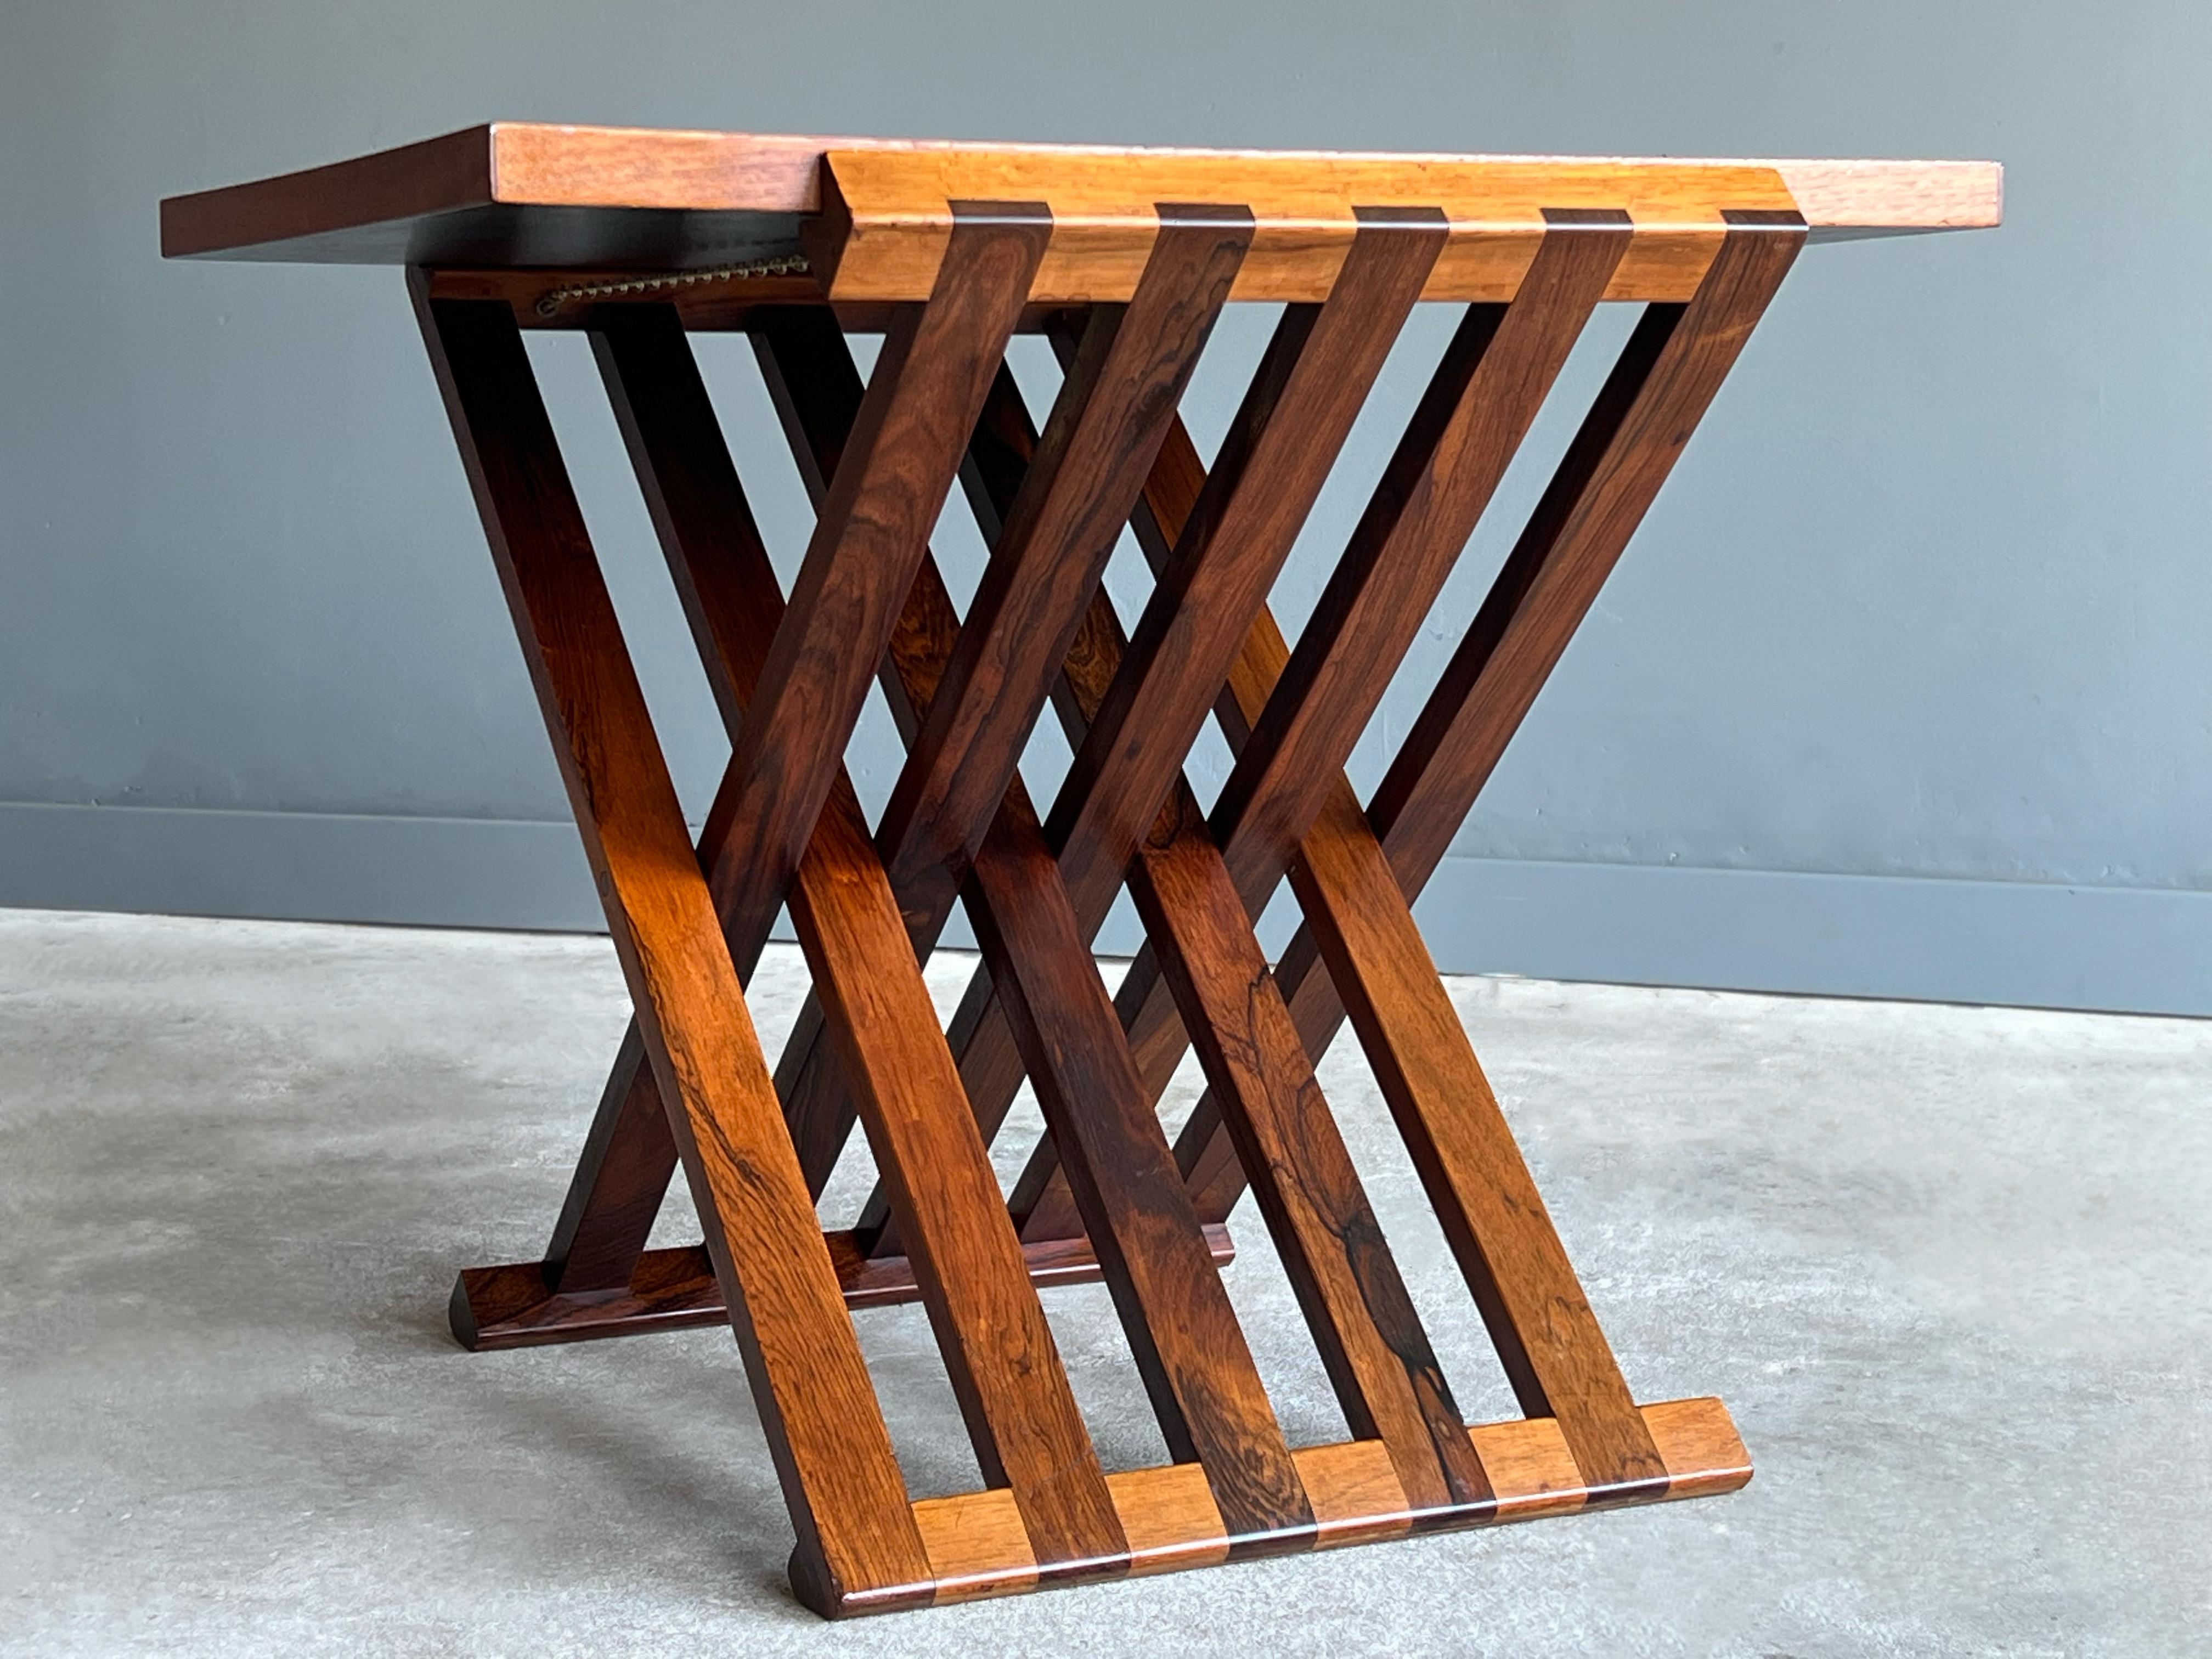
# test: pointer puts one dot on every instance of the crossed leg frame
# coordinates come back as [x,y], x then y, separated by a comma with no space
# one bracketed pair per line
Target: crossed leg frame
[1105,1196]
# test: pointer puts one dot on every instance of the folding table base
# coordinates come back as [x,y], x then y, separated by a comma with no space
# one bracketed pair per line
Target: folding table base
[1125,263]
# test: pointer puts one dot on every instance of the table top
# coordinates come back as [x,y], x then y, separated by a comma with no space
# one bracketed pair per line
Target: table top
[526,194]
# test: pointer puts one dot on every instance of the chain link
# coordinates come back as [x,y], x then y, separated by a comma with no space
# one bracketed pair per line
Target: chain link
[782,264]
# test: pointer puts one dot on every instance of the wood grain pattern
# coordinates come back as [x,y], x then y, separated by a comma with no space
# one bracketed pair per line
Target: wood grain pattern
[816,1406]
[1153,1254]
[1371,1343]
[974,1536]
[1080,488]
[899,464]
[998,1353]
[811,381]
[1294,418]
[513,1306]
[956,248]
[621,1178]
[884,218]
[526,193]
[1197,1368]
[1468,426]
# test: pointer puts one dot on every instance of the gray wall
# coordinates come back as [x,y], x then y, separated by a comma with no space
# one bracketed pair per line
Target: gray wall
[1901,692]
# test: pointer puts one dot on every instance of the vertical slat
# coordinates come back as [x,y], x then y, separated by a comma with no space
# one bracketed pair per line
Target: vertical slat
[968,1265]
[848,1503]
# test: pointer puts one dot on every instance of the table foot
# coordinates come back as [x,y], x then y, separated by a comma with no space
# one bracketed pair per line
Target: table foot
[508,1306]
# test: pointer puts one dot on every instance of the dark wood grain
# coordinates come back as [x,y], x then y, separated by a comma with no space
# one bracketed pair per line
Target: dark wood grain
[811,381]
[1156,1260]
[841,1479]
[1079,489]
[1066,509]
[1379,1357]
[621,1178]
[927,390]
[532,194]
[1480,701]
[1293,721]
[514,1305]
[1279,450]
[999,1351]
[1467,428]
[976,1546]
[1196,1365]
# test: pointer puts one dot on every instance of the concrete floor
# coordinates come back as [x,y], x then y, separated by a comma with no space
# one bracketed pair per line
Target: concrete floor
[1947,1267]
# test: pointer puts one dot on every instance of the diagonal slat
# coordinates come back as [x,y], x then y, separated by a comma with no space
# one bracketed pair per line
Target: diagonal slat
[1361,923]
[1479,407]
[927,388]
[1046,562]
[967,1263]
[1581,528]
[624,1171]
[1295,417]
[1463,434]
[1154,1257]
[848,1503]
[1121,392]
[1370,1340]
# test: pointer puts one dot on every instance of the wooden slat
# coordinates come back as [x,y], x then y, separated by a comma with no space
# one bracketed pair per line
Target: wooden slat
[856,1536]
[1196,1365]
[975,1548]
[927,390]
[886,218]
[1294,418]
[1612,472]
[998,1350]
[621,1178]
[1371,1341]
[526,193]
[1469,423]
[1153,1255]
[1521,1277]
[1467,428]
[1082,484]
[1364,931]
[511,1305]
[816,389]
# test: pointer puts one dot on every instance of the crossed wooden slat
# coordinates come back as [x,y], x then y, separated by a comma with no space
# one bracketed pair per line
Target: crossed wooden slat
[1105,1195]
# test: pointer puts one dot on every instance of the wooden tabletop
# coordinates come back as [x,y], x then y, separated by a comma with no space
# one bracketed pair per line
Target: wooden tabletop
[526,194]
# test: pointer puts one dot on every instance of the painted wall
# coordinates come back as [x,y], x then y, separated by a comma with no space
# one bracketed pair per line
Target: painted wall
[1900,692]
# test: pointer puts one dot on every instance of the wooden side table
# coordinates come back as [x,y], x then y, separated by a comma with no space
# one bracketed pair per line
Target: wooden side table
[1124,258]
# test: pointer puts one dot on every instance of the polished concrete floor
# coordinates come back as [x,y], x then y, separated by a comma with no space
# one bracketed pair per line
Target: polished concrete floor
[1947,1265]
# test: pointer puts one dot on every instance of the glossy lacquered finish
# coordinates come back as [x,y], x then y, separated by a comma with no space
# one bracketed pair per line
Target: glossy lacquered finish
[1126,260]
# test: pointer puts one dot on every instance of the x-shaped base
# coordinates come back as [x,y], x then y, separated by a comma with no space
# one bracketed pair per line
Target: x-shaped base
[1107,1197]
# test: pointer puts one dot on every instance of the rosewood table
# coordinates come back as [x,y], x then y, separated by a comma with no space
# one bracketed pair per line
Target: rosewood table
[1123,257]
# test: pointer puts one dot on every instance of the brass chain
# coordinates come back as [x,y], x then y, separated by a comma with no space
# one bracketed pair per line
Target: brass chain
[781,265]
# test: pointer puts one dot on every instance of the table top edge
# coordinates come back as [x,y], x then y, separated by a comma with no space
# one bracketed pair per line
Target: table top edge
[523,164]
